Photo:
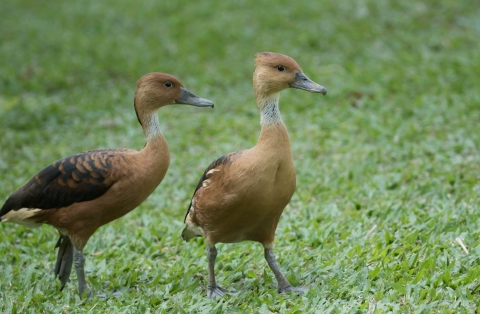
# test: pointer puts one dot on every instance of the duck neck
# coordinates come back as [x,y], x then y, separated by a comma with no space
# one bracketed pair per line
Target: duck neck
[269,112]
[154,157]
[156,147]
[274,132]
[151,126]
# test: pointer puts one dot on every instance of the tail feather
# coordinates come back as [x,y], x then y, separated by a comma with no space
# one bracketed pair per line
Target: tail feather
[187,234]
[191,230]
[63,267]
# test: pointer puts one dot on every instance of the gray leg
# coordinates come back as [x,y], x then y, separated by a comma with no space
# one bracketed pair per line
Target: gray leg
[79,261]
[283,284]
[213,290]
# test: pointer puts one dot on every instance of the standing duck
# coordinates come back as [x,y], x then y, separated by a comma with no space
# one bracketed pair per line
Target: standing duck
[242,195]
[80,193]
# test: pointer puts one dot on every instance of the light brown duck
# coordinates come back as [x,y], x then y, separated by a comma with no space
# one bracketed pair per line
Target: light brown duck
[80,193]
[242,195]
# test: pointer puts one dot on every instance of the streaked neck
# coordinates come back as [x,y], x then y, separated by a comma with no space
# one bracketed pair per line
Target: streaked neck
[269,112]
[151,126]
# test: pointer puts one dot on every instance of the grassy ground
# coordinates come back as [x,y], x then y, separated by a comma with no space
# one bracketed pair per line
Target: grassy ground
[388,164]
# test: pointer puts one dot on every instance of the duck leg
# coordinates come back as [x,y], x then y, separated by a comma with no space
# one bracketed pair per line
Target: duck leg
[79,260]
[213,290]
[283,284]
[63,266]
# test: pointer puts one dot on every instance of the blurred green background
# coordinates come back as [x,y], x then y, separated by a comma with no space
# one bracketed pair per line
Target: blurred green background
[388,166]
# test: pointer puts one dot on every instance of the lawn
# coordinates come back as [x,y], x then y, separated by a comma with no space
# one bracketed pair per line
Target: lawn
[388,163]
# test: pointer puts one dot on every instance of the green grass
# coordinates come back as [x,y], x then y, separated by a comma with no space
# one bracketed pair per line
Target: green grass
[395,144]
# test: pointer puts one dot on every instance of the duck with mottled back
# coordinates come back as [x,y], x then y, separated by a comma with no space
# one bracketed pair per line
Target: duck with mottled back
[80,193]
[242,195]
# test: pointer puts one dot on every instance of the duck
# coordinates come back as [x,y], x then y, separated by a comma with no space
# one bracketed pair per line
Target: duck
[82,192]
[241,195]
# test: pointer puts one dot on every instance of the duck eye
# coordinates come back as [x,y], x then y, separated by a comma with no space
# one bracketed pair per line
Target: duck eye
[168,84]
[280,68]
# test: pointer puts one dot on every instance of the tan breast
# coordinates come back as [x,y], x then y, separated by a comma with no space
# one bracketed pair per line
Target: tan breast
[244,199]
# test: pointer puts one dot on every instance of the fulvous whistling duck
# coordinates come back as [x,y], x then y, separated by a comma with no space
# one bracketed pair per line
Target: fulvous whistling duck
[241,195]
[79,193]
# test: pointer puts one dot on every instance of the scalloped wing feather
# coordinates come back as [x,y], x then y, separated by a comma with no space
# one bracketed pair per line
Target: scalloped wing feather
[73,179]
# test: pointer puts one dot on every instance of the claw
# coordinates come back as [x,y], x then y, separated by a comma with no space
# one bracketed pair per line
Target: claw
[217,292]
[85,292]
[290,289]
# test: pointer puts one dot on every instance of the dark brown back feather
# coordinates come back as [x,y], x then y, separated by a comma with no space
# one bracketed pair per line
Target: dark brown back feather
[73,179]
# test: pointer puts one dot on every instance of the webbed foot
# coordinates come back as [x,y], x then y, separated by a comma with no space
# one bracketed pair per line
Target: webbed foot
[217,291]
[290,289]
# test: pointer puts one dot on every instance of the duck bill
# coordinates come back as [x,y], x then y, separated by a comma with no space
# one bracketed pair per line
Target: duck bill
[303,82]
[188,98]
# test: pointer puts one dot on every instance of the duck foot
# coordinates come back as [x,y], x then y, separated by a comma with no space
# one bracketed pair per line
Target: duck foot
[290,289]
[217,291]
[84,292]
